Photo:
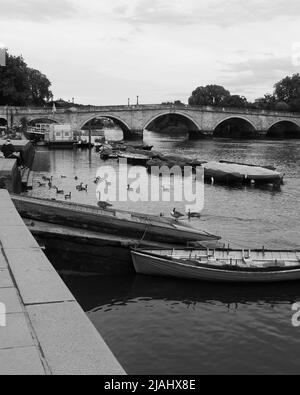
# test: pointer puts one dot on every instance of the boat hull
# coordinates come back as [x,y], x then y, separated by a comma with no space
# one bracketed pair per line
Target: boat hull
[159,266]
[108,221]
[230,172]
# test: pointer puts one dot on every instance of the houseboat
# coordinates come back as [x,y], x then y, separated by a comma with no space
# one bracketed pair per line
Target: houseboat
[60,136]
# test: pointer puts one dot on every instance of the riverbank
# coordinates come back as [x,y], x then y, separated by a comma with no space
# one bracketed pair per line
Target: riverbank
[46,332]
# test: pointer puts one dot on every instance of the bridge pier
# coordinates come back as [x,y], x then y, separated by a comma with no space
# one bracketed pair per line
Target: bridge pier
[262,133]
[133,134]
[200,134]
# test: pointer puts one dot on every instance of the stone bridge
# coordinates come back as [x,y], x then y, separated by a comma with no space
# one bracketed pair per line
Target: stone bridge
[202,121]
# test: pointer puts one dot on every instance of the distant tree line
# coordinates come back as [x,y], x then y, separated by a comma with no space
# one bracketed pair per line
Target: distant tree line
[286,97]
[21,85]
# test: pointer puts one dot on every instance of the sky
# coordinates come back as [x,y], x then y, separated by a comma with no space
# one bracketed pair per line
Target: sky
[103,52]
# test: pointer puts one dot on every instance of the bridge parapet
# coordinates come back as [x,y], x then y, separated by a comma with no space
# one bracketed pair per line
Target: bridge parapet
[91,109]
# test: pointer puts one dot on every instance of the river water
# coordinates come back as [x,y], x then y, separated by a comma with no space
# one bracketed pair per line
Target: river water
[159,326]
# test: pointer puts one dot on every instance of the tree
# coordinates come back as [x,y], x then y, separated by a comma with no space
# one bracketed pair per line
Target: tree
[21,85]
[39,87]
[175,103]
[282,106]
[268,102]
[235,101]
[210,95]
[13,82]
[288,89]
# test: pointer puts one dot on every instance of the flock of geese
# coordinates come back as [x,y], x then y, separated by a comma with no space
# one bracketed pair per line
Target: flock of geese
[103,204]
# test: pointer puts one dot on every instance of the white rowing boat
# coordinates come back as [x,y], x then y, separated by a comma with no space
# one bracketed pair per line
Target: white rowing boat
[219,265]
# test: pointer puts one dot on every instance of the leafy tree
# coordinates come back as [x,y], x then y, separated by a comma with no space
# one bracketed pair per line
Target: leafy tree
[175,103]
[39,87]
[21,85]
[295,105]
[288,89]
[268,102]
[235,101]
[282,106]
[210,95]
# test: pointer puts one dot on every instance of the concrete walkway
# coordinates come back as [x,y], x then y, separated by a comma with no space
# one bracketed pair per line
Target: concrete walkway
[46,332]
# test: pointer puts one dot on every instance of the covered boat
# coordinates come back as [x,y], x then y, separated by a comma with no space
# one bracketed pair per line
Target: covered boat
[135,225]
[234,172]
[134,159]
[219,265]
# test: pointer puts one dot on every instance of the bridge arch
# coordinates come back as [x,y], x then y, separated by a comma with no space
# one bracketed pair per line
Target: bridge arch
[3,121]
[118,121]
[41,120]
[192,123]
[235,127]
[284,129]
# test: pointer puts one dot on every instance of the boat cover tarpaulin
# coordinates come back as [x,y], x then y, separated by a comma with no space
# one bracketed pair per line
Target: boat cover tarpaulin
[240,172]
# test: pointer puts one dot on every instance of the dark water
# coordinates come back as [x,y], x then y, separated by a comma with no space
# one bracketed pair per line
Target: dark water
[173,327]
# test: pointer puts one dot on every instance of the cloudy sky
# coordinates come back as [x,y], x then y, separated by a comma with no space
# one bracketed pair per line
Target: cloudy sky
[105,51]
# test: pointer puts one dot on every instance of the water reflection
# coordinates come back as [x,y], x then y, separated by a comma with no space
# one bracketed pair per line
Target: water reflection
[160,326]
[96,293]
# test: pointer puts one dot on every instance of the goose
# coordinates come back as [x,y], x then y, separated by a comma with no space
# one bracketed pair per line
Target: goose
[78,187]
[84,188]
[176,214]
[129,188]
[40,184]
[68,196]
[102,204]
[59,191]
[193,215]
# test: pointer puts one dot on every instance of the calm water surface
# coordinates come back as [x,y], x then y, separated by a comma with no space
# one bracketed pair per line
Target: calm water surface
[159,326]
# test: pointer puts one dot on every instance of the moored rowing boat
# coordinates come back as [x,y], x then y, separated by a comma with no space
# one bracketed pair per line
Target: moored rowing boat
[219,265]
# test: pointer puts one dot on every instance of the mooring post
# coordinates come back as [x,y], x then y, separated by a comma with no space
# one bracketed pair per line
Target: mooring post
[90,136]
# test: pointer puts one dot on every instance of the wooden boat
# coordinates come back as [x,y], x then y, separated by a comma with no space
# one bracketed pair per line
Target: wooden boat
[142,147]
[105,155]
[235,172]
[134,159]
[34,135]
[219,265]
[138,226]
[83,145]
[269,167]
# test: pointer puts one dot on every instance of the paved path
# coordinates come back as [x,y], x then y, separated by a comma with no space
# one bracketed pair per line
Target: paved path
[46,330]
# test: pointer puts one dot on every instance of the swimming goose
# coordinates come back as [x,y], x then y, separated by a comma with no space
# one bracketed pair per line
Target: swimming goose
[193,215]
[59,191]
[176,214]
[102,204]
